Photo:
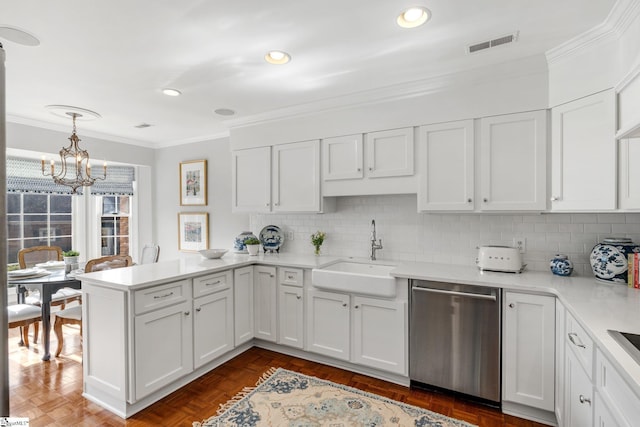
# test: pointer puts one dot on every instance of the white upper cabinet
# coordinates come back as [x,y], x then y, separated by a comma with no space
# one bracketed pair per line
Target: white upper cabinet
[513,159]
[629,105]
[251,180]
[584,154]
[282,178]
[342,157]
[446,167]
[296,177]
[629,179]
[380,163]
[389,153]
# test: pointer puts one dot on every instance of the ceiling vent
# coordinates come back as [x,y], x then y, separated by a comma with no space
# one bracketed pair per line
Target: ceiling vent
[477,47]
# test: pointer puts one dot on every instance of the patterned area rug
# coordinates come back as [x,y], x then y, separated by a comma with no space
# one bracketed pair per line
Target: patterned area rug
[285,398]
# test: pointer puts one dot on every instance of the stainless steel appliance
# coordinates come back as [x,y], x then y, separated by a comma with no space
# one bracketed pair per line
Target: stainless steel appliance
[454,338]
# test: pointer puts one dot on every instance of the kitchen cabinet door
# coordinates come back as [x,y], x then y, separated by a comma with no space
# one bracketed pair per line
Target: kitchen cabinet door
[328,324]
[629,179]
[528,350]
[446,167]
[296,177]
[251,180]
[603,416]
[291,316]
[560,358]
[583,154]
[265,294]
[342,157]
[389,153]
[378,335]
[163,347]
[513,162]
[212,326]
[243,305]
[578,393]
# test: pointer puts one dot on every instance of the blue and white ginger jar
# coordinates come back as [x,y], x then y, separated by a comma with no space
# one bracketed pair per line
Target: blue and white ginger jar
[238,243]
[560,265]
[609,260]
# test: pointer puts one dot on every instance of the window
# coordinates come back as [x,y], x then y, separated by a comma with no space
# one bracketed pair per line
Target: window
[37,220]
[114,225]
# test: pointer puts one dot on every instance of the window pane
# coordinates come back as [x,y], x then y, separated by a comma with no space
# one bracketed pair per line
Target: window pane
[35,203]
[13,247]
[123,246]
[124,204]
[61,225]
[107,246]
[29,243]
[35,226]
[109,205]
[13,203]
[60,204]
[13,226]
[63,242]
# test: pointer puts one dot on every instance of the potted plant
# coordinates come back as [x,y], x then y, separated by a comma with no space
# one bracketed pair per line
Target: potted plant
[317,239]
[70,258]
[253,245]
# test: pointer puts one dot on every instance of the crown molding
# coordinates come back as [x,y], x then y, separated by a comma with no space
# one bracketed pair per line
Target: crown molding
[459,78]
[200,138]
[623,13]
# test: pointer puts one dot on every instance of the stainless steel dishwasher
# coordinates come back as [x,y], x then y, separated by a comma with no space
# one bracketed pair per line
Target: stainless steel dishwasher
[454,338]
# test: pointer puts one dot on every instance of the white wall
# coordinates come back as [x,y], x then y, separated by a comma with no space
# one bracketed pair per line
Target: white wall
[223,225]
[448,238]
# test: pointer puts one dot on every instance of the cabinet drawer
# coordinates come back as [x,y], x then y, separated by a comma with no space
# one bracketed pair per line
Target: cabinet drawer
[291,276]
[161,296]
[581,343]
[211,283]
[624,402]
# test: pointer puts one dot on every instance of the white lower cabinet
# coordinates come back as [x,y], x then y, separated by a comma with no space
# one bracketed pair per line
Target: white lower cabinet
[163,347]
[603,416]
[367,331]
[528,350]
[265,295]
[243,304]
[291,307]
[328,320]
[578,393]
[378,334]
[212,326]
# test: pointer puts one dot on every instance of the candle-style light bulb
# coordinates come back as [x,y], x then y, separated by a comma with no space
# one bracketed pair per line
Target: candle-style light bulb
[52,167]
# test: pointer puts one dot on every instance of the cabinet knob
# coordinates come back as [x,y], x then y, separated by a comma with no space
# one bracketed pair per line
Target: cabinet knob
[344,304]
[555,198]
[511,305]
[186,313]
[271,275]
[469,200]
[370,169]
[199,309]
[357,306]
[290,277]
[359,169]
[298,296]
[485,200]
[267,204]
[584,399]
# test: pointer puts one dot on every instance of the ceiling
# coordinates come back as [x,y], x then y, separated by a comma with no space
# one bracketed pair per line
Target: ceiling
[114,57]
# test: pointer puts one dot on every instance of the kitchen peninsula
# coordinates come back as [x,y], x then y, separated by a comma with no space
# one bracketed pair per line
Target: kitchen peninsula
[141,320]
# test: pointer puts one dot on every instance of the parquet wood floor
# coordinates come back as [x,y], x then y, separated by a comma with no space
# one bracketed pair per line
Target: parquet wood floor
[50,393]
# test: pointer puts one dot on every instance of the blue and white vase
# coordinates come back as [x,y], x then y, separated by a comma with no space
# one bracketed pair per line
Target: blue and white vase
[238,244]
[609,259]
[560,265]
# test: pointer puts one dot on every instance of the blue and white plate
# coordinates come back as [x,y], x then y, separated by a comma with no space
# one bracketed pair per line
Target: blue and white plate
[271,238]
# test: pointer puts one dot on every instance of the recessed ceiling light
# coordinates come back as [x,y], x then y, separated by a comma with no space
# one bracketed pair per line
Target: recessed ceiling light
[18,35]
[277,57]
[224,112]
[413,17]
[171,92]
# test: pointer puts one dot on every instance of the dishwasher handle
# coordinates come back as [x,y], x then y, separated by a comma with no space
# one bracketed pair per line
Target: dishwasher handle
[491,297]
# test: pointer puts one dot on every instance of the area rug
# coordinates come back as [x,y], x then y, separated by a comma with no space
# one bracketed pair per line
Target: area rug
[285,398]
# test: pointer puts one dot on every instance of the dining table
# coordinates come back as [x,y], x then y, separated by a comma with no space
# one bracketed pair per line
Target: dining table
[47,284]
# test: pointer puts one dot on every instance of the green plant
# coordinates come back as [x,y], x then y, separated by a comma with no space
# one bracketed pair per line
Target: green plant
[252,241]
[71,253]
[317,239]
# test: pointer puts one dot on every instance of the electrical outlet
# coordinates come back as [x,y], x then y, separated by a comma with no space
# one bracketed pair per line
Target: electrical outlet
[289,235]
[520,243]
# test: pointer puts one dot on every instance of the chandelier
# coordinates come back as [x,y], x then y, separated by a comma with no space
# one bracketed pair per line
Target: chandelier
[75,168]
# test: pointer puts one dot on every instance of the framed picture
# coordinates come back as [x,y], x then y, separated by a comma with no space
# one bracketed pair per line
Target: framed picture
[193,231]
[193,183]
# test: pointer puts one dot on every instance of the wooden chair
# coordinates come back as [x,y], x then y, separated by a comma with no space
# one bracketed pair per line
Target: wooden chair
[29,257]
[23,315]
[73,315]
[150,254]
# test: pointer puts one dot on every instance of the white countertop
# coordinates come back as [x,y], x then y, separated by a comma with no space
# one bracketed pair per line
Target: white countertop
[597,306]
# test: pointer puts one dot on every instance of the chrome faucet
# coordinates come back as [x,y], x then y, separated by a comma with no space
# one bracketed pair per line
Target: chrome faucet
[374,245]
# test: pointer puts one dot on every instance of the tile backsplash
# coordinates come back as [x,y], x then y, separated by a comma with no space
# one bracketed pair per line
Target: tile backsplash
[448,238]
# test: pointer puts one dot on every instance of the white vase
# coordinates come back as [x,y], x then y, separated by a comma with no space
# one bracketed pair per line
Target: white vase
[253,249]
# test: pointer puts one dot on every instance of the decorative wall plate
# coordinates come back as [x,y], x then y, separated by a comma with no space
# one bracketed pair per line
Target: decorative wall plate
[271,238]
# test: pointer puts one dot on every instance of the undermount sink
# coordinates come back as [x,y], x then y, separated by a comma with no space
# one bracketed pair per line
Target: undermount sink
[356,277]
